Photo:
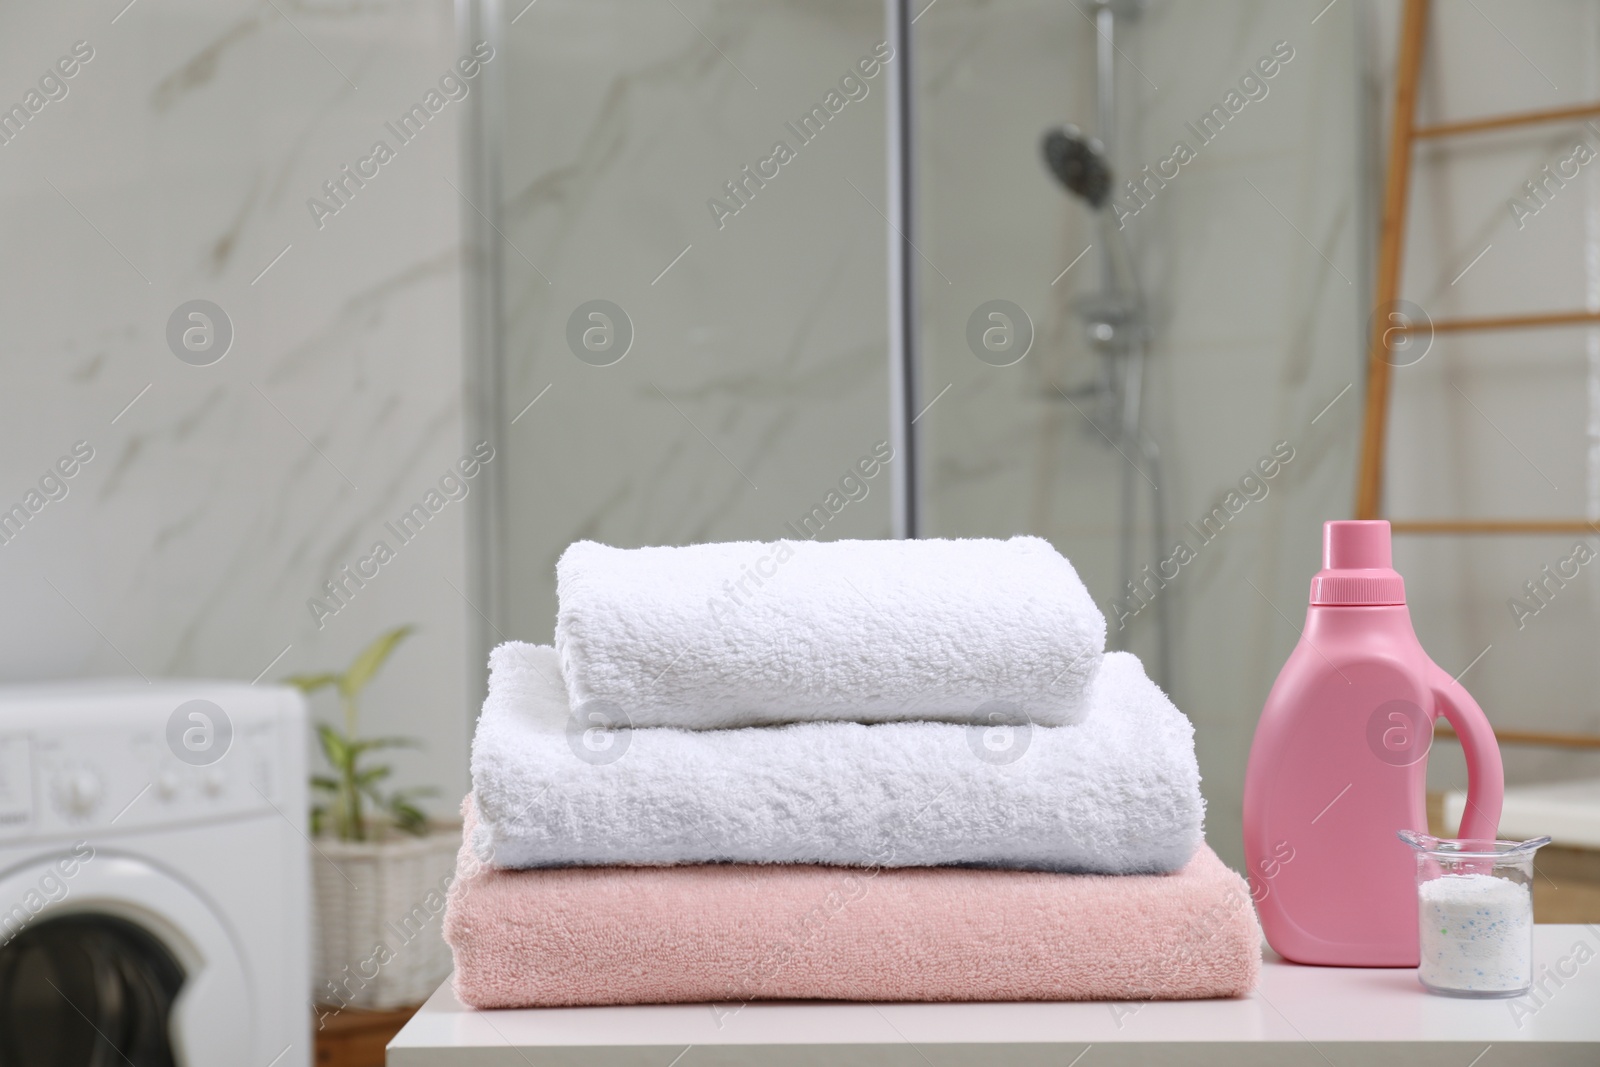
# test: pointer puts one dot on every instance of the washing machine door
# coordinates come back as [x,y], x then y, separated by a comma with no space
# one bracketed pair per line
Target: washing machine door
[87,989]
[126,965]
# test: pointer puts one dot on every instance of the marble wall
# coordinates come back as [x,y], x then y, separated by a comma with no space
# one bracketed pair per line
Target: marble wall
[756,374]
[219,498]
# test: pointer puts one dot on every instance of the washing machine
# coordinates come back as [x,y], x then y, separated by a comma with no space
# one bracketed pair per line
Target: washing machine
[154,891]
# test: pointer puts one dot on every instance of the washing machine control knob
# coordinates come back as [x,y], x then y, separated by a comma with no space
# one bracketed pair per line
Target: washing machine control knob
[78,791]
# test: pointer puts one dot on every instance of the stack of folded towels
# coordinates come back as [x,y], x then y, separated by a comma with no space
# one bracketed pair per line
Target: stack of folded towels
[862,770]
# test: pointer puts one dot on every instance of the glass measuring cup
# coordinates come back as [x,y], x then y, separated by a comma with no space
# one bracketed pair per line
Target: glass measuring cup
[1474,915]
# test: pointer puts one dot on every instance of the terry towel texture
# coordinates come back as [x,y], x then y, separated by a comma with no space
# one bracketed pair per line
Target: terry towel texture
[730,934]
[748,633]
[1116,794]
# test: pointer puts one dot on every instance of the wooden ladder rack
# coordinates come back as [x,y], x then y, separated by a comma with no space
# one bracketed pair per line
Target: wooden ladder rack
[1403,135]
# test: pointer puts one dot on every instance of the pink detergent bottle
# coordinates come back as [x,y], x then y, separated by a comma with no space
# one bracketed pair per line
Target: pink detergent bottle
[1339,762]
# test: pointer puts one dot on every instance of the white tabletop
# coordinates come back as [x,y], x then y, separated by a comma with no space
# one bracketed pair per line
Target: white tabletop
[1321,1015]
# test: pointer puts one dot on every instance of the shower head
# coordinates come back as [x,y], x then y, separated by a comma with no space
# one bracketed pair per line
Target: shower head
[1079,163]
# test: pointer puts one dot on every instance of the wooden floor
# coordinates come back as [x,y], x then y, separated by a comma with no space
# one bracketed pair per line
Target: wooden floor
[353,1038]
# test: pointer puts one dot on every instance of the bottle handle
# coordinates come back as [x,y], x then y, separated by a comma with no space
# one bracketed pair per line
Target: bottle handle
[1485,775]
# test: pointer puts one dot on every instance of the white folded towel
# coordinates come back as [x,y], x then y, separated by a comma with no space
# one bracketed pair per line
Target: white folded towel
[1117,794]
[712,636]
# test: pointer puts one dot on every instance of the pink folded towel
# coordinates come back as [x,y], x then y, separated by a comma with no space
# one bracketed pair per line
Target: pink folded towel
[731,933]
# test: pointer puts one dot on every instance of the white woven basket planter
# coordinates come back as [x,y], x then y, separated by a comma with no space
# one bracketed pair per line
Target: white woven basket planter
[379,915]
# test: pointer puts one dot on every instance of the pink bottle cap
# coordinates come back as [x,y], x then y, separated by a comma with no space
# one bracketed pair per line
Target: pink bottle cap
[1357,566]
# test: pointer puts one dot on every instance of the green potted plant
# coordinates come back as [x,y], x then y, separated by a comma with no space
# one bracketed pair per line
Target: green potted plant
[344,794]
[379,872]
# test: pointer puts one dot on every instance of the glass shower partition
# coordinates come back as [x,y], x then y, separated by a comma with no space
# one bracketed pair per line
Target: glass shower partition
[692,281]
[679,219]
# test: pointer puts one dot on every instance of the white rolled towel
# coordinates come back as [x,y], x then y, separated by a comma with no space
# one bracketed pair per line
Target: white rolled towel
[751,633]
[1116,794]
